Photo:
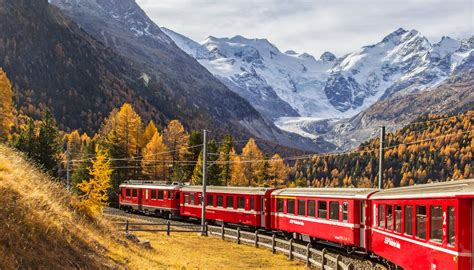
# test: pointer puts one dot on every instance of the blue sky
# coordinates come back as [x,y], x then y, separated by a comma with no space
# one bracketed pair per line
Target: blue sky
[313,26]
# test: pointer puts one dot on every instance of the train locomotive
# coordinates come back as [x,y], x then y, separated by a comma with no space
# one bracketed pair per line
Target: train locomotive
[428,226]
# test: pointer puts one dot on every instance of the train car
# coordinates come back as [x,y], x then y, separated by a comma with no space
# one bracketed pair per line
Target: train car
[150,198]
[239,205]
[426,226]
[336,215]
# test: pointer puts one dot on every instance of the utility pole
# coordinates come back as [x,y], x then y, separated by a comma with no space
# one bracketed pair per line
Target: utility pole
[382,139]
[68,167]
[204,172]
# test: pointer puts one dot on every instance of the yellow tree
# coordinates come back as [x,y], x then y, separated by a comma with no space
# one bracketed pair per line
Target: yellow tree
[150,131]
[252,163]
[94,191]
[155,158]
[6,106]
[128,128]
[278,171]
[177,139]
[74,143]
[237,177]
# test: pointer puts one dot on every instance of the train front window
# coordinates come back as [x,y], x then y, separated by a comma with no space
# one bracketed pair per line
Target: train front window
[220,201]
[409,219]
[301,206]
[436,223]
[160,195]
[311,208]
[381,216]
[290,206]
[280,205]
[322,209]
[398,218]
[230,202]
[240,202]
[134,193]
[389,217]
[451,226]
[421,221]
[210,200]
[334,210]
[127,192]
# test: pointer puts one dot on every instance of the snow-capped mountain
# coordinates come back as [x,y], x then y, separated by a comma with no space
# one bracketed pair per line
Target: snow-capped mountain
[297,91]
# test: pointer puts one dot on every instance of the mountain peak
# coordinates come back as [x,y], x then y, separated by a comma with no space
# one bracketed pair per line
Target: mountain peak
[327,57]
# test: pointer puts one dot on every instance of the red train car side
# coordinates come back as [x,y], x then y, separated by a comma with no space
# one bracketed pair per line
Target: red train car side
[147,197]
[239,205]
[336,215]
[425,227]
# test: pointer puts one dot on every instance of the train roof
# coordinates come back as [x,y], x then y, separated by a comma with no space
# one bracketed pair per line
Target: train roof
[351,193]
[233,190]
[458,188]
[149,184]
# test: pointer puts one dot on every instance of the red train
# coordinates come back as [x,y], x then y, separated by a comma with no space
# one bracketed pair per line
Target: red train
[420,227]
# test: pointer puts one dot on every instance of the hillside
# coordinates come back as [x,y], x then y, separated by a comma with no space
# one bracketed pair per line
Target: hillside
[433,148]
[43,229]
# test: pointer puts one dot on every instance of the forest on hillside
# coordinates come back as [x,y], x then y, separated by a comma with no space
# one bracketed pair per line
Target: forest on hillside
[430,149]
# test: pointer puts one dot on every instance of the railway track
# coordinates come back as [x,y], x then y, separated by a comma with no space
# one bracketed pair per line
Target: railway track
[357,261]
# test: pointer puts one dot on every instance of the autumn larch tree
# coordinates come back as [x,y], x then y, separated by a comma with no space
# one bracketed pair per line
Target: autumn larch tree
[6,106]
[94,195]
[237,176]
[156,158]
[150,131]
[176,139]
[278,171]
[252,163]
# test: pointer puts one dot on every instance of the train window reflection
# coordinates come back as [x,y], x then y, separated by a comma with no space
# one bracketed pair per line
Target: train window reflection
[334,210]
[451,226]
[421,221]
[436,223]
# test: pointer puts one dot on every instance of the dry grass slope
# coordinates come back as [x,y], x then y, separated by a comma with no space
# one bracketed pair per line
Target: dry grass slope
[41,228]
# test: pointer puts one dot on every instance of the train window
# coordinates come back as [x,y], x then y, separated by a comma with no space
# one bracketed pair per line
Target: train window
[345,211]
[409,219]
[240,202]
[451,226]
[389,217]
[252,204]
[220,201]
[160,195]
[186,198]
[421,221]
[153,194]
[334,210]
[381,216]
[210,200]
[134,193]
[199,199]
[290,206]
[127,192]
[168,195]
[191,198]
[436,223]
[322,209]
[230,201]
[398,218]
[301,207]
[311,208]
[280,205]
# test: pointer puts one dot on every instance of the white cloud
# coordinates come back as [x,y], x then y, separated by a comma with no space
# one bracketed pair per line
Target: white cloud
[313,26]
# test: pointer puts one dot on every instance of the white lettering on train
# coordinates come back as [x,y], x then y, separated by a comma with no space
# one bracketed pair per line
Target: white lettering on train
[297,222]
[391,242]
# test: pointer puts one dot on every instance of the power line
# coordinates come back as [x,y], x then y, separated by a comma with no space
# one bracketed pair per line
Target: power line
[430,139]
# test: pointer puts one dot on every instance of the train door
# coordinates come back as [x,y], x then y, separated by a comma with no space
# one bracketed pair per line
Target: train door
[140,199]
[362,223]
[262,210]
